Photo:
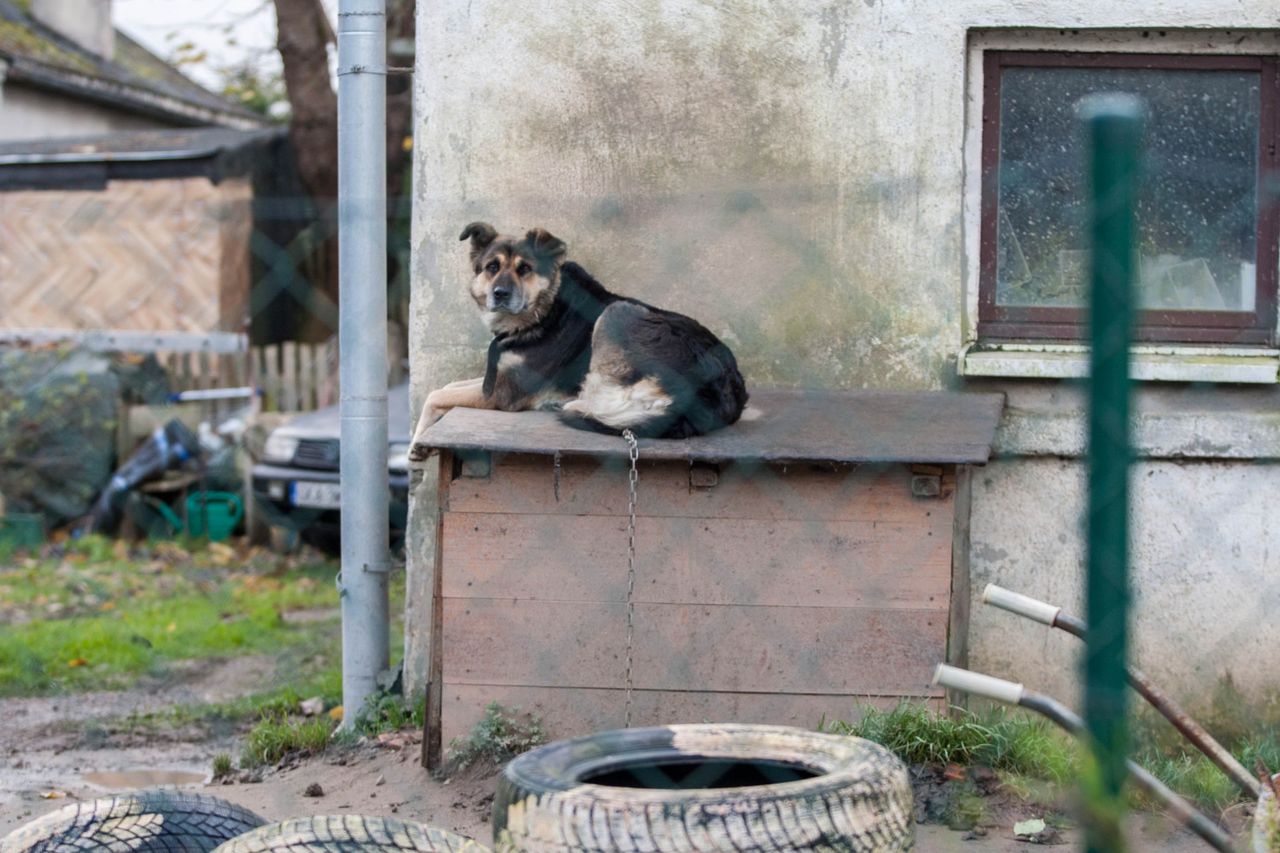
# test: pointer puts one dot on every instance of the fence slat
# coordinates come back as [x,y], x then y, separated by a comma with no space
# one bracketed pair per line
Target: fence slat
[204,378]
[271,377]
[289,377]
[306,376]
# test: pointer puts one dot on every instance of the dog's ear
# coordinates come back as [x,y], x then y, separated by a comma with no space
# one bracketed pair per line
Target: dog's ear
[546,245]
[481,234]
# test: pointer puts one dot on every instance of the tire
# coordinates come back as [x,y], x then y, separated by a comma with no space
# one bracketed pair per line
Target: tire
[350,834]
[780,789]
[154,821]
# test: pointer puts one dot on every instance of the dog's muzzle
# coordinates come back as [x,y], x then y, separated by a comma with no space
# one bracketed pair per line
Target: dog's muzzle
[504,299]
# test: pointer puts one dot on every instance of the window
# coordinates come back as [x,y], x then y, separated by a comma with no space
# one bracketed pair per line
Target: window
[1207,214]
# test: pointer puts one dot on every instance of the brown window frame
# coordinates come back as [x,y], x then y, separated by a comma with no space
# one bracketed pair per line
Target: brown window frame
[1006,322]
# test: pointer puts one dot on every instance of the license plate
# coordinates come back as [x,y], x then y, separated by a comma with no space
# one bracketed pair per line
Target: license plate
[317,495]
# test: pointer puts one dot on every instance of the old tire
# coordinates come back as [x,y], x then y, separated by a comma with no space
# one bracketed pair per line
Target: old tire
[350,834]
[153,821]
[778,789]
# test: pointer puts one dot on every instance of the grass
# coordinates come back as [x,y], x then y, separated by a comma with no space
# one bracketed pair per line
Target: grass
[1035,761]
[1014,742]
[384,712]
[96,614]
[221,765]
[278,735]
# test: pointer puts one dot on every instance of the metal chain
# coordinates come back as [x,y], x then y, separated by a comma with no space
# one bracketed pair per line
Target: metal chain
[633,450]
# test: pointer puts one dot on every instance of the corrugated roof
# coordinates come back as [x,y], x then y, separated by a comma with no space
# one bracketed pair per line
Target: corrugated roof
[133,79]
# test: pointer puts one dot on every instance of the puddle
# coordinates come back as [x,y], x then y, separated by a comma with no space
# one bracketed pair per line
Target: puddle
[116,779]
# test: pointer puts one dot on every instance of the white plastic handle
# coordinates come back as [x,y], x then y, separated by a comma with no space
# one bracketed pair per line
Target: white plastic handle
[1023,605]
[977,684]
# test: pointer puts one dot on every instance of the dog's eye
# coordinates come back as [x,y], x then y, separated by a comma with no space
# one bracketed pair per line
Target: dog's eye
[492,266]
[523,269]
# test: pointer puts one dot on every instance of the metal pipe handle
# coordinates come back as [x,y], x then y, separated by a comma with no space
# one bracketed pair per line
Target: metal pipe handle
[1022,605]
[977,684]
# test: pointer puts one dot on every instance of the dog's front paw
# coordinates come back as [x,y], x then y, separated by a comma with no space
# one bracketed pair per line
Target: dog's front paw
[551,405]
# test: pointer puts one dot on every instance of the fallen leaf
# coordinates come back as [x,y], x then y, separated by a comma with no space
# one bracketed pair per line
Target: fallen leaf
[108,605]
[53,795]
[954,772]
[312,707]
[1025,828]
[221,553]
[171,627]
[120,550]
[77,662]
[335,713]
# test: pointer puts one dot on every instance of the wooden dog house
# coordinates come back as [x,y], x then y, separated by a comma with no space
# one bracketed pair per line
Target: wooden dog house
[787,569]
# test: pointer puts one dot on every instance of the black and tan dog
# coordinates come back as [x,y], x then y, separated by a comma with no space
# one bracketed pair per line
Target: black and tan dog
[605,362]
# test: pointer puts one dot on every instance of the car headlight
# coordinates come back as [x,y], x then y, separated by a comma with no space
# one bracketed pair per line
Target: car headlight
[398,456]
[279,448]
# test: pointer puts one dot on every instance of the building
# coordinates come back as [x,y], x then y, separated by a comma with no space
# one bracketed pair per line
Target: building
[66,71]
[887,196]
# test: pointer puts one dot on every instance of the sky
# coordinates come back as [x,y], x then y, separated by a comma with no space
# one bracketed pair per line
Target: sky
[228,31]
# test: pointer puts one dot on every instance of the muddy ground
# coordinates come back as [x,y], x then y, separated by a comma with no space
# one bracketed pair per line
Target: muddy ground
[61,744]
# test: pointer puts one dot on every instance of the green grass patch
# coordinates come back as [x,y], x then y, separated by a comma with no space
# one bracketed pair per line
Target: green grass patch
[1037,762]
[221,765]
[278,735]
[1010,741]
[385,712]
[97,614]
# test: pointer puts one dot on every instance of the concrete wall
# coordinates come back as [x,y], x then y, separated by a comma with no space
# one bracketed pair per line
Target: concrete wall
[30,113]
[799,176]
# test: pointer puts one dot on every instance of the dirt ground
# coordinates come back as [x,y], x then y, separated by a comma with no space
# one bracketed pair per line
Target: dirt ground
[58,744]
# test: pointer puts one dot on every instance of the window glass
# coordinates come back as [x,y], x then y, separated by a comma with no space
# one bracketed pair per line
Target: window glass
[1197,213]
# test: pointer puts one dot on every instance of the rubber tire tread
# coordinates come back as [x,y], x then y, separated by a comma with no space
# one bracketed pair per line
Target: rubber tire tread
[149,821]
[863,805]
[350,834]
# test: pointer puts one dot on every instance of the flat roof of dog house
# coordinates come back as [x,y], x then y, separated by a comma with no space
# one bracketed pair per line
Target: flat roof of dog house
[787,567]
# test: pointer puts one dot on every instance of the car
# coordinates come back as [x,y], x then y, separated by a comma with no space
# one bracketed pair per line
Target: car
[295,483]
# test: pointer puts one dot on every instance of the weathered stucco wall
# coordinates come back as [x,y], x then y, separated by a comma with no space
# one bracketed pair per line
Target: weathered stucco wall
[796,175]
[1203,562]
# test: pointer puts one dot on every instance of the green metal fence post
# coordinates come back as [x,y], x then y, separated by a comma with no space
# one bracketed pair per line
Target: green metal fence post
[1114,127]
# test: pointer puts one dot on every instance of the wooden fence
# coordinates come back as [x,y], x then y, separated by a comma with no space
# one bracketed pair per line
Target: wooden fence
[291,376]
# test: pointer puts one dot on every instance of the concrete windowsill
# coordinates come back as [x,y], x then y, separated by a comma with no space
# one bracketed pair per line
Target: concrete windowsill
[1252,366]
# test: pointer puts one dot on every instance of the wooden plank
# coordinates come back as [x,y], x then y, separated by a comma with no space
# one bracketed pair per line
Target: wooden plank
[568,712]
[835,426]
[821,650]
[526,483]
[432,741]
[205,378]
[321,380]
[711,561]
[534,643]
[289,377]
[271,377]
[306,377]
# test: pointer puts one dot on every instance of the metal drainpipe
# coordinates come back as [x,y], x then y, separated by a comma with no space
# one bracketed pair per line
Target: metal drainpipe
[362,336]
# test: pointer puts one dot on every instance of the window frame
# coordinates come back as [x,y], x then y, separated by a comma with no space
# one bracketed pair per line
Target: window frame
[1057,323]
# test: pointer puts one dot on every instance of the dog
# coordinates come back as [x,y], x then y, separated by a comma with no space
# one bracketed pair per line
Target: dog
[604,362]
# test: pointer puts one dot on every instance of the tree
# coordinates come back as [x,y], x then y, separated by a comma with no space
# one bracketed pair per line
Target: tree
[304,36]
